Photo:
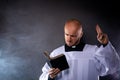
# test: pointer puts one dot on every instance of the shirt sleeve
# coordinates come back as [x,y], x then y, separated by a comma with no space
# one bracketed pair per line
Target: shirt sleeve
[107,60]
[50,78]
[45,75]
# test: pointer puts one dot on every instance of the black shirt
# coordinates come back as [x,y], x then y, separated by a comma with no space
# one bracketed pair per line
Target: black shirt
[78,47]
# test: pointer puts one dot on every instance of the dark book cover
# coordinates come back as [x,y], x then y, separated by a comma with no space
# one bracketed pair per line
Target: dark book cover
[58,61]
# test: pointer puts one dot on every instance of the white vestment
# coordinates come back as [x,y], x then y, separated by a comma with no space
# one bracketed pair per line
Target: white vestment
[88,64]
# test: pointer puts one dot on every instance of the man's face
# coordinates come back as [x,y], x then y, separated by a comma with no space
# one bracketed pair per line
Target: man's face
[72,33]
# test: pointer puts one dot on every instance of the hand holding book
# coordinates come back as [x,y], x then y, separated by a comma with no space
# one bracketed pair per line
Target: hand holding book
[53,72]
[58,61]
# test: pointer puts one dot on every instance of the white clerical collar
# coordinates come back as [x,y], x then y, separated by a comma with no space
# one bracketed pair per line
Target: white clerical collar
[73,46]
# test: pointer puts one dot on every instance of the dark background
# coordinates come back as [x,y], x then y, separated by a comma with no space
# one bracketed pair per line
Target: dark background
[30,27]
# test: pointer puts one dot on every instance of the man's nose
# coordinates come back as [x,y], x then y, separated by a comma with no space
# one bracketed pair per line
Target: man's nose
[69,38]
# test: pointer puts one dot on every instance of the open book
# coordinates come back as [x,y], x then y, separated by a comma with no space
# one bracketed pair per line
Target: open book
[58,61]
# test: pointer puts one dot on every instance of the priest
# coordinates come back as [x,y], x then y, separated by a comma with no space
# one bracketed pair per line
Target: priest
[86,61]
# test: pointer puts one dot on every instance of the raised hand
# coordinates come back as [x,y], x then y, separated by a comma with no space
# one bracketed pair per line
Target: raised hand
[102,37]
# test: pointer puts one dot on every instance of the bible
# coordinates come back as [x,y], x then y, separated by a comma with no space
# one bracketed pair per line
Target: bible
[58,61]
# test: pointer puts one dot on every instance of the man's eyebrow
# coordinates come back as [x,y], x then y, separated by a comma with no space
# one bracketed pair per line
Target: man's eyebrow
[71,35]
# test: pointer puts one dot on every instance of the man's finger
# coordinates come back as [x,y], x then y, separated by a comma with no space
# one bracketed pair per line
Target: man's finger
[51,71]
[98,29]
[56,71]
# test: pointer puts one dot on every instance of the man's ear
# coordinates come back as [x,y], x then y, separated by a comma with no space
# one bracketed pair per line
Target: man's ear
[81,33]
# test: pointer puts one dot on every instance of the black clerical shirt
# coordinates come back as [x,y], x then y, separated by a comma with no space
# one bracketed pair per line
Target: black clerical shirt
[78,47]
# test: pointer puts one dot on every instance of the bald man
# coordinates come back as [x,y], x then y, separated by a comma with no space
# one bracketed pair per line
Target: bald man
[86,62]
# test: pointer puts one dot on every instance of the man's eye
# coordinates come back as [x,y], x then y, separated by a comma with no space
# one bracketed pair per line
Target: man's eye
[73,36]
[66,34]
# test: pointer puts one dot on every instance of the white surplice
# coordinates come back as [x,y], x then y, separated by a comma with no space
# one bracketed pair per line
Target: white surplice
[88,64]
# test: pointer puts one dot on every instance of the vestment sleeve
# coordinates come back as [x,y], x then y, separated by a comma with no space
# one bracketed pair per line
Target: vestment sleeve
[44,75]
[107,60]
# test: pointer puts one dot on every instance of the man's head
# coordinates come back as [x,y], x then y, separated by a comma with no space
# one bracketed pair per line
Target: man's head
[73,32]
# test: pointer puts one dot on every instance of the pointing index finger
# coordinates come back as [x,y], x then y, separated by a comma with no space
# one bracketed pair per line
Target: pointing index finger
[98,29]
